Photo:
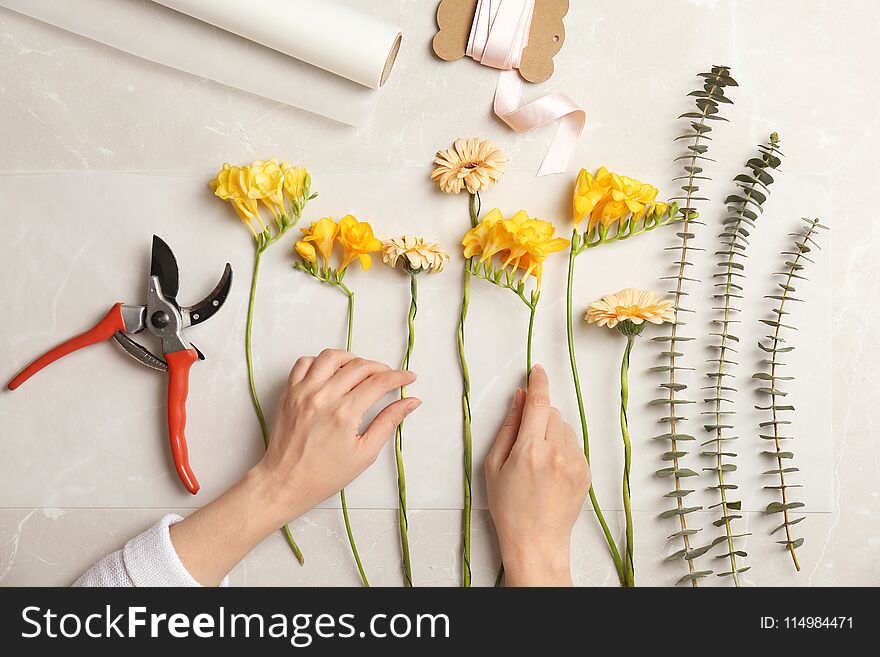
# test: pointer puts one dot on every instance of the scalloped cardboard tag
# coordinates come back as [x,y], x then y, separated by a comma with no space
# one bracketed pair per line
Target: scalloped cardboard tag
[546,36]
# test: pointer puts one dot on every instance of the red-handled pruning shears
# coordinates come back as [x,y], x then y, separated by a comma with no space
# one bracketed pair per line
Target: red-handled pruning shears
[166,320]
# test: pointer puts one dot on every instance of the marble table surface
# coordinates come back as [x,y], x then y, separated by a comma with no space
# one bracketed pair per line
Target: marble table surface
[805,67]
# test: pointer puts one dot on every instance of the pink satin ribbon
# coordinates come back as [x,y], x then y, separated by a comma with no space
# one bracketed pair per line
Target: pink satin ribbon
[499,34]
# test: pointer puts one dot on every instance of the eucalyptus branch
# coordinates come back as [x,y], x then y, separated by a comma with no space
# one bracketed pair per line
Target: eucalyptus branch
[775,344]
[708,101]
[744,209]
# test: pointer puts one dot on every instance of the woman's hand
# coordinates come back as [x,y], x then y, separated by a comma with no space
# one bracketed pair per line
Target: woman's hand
[315,450]
[537,478]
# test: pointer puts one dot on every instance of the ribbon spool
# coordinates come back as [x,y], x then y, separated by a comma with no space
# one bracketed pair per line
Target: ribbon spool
[499,34]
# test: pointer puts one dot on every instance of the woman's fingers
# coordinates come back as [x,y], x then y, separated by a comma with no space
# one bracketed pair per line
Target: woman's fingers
[300,369]
[374,387]
[384,424]
[536,410]
[355,372]
[327,363]
[570,435]
[506,437]
[555,426]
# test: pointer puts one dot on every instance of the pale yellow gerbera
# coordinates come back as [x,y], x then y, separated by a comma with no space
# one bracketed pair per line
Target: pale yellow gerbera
[630,305]
[418,254]
[475,164]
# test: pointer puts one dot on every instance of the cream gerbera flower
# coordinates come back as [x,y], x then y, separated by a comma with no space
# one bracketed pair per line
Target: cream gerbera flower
[476,164]
[630,305]
[418,254]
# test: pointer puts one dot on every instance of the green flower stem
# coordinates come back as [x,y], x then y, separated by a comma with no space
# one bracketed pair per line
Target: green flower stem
[334,278]
[250,368]
[474,206]
[627,459]
[248,339]
[533,307]
[398,438]
[615,554]
[351,541]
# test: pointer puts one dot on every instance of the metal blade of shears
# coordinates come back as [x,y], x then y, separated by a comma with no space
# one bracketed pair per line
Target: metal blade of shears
[140,353]
[163,265]
[207,307]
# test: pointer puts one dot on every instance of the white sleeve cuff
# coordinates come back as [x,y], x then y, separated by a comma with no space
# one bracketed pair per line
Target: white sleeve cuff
[151,560]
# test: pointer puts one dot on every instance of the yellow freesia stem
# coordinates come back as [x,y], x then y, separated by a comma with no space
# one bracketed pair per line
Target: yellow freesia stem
[532,308]
[258,409]
[629,570]
[398,439]
[248,337]
[474,207]
[345,517]
[615,554]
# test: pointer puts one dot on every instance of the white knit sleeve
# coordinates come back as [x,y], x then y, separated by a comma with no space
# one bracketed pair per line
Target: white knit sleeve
[148,559]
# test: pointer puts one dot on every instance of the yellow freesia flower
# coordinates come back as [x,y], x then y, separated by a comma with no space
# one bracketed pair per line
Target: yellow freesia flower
[482,239]
[321,235]
[530,241]
[358,241]
[267,183]
[608,197]
[521,242]
[589,192]
[627,196]
[296,180]
[233,184]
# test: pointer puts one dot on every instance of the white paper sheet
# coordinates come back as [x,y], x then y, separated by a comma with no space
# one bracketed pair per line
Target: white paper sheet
[326,34]
[149,30]
[90,430]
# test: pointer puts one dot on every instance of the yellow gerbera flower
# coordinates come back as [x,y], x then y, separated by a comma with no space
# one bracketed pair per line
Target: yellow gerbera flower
[418,254]
[475,164]
[321,235]
[358,241]
[630,305]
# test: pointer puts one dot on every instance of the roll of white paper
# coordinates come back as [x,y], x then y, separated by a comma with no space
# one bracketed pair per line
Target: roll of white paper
[156,33]
[326,34]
